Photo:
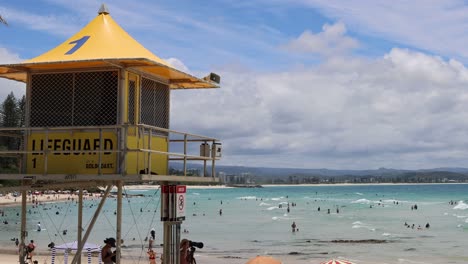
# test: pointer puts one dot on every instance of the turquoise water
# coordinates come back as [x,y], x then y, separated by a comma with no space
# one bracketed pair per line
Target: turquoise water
[252,223]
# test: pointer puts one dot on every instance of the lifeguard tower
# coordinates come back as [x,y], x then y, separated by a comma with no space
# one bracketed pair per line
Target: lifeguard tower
[97,114]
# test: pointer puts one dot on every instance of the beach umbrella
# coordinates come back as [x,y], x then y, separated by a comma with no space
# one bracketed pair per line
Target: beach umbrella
[263,260]
[89,256]
[337,261]
[53,256]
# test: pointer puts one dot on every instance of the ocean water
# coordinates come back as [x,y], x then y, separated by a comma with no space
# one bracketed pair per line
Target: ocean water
[252,223]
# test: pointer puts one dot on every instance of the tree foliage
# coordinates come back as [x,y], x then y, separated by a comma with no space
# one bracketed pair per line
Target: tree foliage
[11,116]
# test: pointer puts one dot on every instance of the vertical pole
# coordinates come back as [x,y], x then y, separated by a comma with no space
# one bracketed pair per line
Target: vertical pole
[177,242]
[185,154]
[101,147]
[121,121]
[167,243]
[80,221]
[213,159]
[46,151]
[150,137]
[119,220]
[22,246]
[91,225]
[204,167]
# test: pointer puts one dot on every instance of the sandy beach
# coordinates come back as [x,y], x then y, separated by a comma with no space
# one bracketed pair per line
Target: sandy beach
[10,200]
[45,257]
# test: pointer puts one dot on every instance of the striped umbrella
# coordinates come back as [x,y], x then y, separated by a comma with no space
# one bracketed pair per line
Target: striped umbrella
[337,261]
[263,260]
[65,258]
[54,252]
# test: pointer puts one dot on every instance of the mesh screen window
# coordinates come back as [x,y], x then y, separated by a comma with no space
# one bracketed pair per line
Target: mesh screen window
[74,99]
[154,103]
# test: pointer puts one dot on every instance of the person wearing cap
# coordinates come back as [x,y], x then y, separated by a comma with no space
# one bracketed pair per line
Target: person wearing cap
[106,252]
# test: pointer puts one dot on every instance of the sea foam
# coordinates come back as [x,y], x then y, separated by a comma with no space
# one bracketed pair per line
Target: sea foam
[359,224]
[362,201]
[247,197]
[461,206]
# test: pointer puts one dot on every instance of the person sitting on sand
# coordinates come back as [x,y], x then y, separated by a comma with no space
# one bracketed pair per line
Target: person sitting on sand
[151,256]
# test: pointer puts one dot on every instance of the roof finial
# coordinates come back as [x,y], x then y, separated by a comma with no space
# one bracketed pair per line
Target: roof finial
[103,10]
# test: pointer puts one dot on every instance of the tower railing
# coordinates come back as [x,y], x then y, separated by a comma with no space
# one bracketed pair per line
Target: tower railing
[18,150]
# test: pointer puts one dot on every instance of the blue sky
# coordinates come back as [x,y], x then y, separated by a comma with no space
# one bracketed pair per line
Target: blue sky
[305,83]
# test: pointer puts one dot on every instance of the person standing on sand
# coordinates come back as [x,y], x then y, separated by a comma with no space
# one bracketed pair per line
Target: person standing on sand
[106,252]
[150,243]
[30,248]
[152,256]
[184,251]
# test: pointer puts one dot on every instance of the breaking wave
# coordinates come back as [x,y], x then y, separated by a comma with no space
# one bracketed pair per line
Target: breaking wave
[461,206]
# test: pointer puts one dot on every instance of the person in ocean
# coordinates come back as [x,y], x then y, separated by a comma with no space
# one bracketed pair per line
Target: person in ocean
[293,226]
[39,226]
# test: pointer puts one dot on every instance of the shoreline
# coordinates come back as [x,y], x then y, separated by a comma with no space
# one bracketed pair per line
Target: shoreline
[8,200]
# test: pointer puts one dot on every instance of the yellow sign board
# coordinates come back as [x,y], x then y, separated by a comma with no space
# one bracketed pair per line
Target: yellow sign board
[72,153]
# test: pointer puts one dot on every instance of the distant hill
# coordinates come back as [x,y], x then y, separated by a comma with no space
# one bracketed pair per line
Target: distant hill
[281,172]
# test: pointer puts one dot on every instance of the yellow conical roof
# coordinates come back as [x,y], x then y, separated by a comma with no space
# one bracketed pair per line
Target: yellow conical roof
[103,43]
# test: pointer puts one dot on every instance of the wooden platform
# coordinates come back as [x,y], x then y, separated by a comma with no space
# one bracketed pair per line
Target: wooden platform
[57,181]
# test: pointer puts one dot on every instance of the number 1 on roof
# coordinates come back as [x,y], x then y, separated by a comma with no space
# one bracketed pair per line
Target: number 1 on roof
[78,43]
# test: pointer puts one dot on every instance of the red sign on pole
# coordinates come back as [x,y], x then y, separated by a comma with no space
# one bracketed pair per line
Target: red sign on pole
[180,199]
[173,202]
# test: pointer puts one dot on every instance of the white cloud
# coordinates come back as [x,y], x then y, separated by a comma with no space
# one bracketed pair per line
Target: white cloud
[436,26]
[406,109]
[7,86]
[331,41]
[178,64]
[61,25]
